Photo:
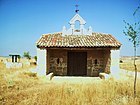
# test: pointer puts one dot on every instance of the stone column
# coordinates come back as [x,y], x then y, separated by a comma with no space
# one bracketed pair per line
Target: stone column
[13,57]
[16,58]
[115,58]
[81,29]
[41,61]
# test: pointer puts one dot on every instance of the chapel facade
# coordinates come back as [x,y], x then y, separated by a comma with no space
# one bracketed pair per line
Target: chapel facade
[77,52]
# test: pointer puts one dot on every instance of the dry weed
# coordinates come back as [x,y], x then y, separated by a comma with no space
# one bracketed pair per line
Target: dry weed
[21,87]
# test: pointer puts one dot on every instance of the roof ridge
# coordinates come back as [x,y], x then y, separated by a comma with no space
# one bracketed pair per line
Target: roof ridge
[101,33]
[52,33]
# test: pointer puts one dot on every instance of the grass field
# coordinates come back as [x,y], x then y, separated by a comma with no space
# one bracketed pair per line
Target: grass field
[21,87]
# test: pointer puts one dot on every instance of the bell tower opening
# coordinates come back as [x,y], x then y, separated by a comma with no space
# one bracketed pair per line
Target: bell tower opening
[77,25]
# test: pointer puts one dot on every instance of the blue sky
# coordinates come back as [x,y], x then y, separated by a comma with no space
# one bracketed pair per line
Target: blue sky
[22,22]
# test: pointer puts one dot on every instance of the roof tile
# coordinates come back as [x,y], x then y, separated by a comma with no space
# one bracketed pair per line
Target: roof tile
[94,40]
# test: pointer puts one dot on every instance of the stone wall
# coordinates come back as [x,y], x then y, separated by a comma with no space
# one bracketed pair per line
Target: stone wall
[57,62]
[94,62]
[97,61]
[107,61]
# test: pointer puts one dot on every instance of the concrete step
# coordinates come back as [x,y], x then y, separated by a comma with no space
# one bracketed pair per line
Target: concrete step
[75,79]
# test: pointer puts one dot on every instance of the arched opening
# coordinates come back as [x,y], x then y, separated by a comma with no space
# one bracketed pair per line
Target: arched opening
[77,25]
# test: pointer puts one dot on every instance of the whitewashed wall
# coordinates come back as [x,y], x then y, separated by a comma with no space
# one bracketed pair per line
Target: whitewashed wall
[41,61]
[115,58]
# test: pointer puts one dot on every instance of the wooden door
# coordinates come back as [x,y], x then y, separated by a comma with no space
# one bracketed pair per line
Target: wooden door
[77,63]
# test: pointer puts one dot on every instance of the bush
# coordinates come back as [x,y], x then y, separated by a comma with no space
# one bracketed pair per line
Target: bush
[27,55]
[35,57]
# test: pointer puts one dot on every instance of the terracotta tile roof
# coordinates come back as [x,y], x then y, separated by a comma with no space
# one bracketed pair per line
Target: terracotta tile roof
[94,40]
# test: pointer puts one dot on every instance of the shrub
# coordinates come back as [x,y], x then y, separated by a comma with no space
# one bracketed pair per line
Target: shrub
[27,55]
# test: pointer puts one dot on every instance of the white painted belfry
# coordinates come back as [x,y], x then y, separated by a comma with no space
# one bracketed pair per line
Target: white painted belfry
[64,29]
[90,30]
[77,17]
[115,58]
[41,61]
[73,31]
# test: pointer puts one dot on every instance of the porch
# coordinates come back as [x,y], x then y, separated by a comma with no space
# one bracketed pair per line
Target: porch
[78,62]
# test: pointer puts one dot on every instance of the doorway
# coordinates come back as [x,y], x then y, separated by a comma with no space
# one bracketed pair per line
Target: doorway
[77,64]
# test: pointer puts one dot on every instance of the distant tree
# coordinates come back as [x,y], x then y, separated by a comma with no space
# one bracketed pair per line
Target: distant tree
[133,33]
[19,57]
[27,55]
[35,57]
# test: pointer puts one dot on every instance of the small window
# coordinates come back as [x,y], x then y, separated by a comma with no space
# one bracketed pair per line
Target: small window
[95,62]
[58,60]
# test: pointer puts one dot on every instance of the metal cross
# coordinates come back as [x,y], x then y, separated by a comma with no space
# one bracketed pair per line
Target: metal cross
[77,10]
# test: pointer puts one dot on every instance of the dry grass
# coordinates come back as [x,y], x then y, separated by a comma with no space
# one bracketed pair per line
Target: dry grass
[21,87]
[127,63]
